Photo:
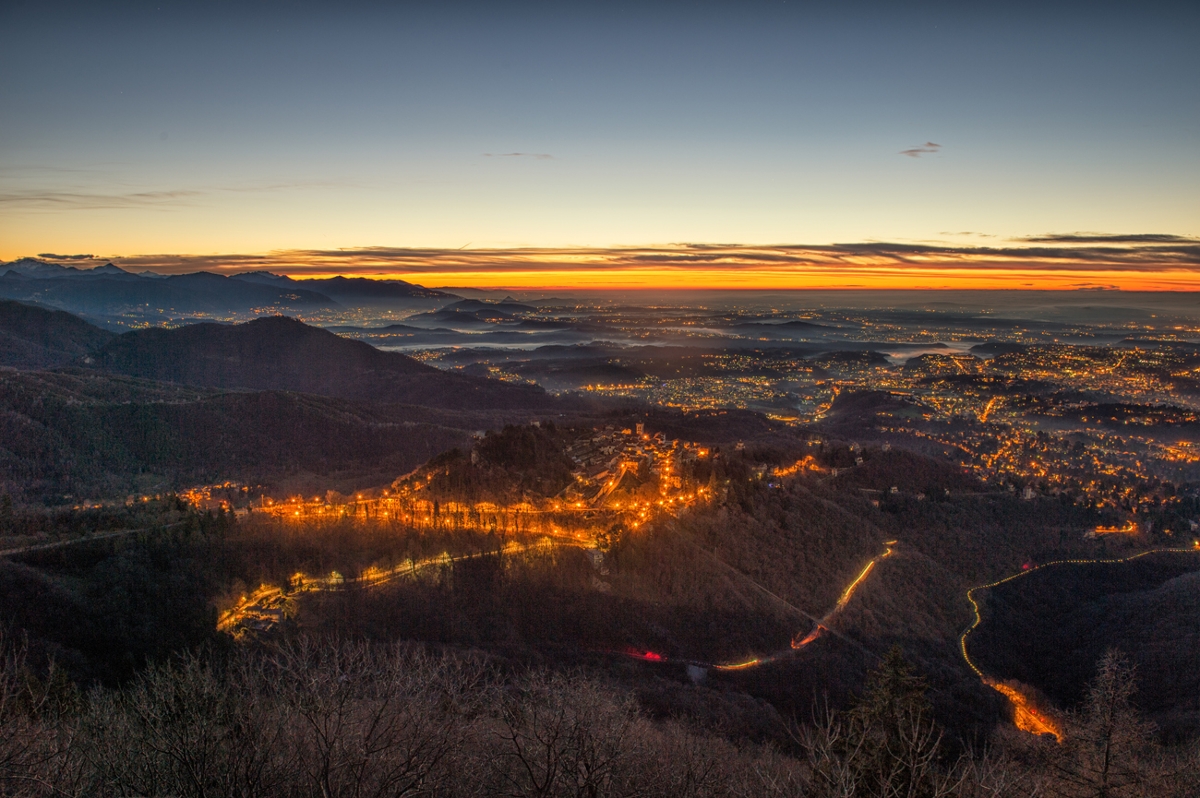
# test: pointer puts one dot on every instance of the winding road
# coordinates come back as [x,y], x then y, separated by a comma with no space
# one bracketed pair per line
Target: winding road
[264,608]
[1026,715]
[820,627]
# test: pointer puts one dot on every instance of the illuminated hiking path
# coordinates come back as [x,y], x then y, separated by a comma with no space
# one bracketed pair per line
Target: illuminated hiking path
[265,604]
[1026,716]
[843,600]
[820,625]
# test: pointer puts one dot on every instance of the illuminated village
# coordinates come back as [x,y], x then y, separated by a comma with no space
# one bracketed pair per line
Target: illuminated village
[1098,423]
[620,477]
[624,478]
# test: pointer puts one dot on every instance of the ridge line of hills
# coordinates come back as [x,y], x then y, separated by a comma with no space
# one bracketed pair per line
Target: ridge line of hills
[111,290]
[267,353]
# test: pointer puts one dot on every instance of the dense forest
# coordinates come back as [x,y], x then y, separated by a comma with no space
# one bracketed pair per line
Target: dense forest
[74,434]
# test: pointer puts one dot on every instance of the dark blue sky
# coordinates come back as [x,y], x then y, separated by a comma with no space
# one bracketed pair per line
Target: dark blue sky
[259,126]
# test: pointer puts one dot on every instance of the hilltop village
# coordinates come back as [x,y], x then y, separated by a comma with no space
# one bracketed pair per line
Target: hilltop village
[615,476]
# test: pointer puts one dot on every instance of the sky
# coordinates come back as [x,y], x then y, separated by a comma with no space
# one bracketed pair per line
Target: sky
[769,144]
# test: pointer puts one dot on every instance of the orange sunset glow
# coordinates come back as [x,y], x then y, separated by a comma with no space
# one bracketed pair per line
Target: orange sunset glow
[762,279]
[1066,262]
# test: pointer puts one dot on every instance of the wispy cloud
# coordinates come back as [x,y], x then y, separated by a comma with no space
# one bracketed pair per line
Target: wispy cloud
[1111,238]
[52,256]
[83,200]
[540,156]
[79,199]
[928,148]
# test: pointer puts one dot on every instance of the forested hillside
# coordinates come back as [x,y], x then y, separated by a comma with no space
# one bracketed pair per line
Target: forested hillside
[87,435]
[33,337]
[283,354]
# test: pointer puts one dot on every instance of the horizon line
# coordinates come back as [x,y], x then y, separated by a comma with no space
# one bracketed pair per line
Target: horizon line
[1065,262]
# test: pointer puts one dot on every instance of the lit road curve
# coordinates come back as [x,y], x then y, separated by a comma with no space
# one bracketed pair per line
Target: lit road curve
[1027,716]
[821,625]
[263,608]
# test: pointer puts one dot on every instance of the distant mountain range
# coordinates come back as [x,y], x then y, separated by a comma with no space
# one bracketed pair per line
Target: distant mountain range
[350,290]
[109,290]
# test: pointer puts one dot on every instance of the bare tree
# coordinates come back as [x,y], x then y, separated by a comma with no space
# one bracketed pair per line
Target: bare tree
[1108,750]
[187,729]
[685,762]
[36,745]
[994,774]
[356,720]
[565,736]
[887,745]
[367,722]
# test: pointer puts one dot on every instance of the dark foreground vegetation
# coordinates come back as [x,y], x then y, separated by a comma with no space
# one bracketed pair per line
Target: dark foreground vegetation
[354,719]
[100,609]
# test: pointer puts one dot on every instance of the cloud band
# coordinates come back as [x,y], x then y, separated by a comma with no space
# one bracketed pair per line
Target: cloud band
[1136,261]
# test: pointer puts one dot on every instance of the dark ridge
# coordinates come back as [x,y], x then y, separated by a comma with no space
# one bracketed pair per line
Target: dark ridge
[33,337]
[361,288]
[280,353]
[908,472]
[32,267]
[464,315]
[787,326]
[390,328]
[106,292]
[852,357]
[997,348]
[857,412]
[349,290]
